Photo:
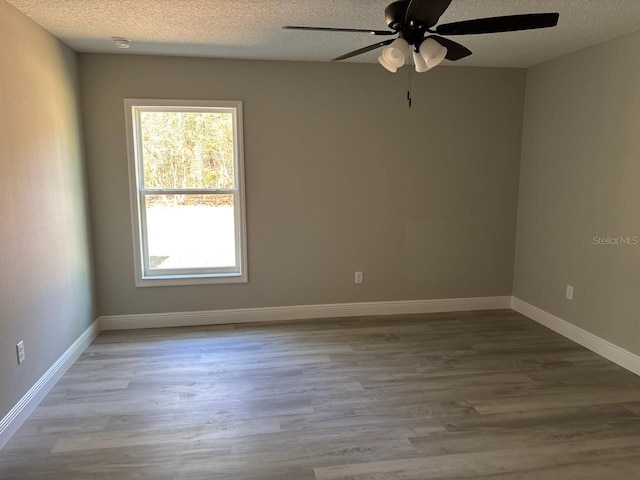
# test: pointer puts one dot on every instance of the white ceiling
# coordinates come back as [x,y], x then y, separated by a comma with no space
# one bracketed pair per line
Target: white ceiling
[251,29]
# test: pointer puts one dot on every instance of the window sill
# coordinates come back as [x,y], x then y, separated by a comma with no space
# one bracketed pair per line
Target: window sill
[177,280]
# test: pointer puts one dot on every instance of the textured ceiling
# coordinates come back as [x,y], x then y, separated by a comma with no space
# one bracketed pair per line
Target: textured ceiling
[251,29]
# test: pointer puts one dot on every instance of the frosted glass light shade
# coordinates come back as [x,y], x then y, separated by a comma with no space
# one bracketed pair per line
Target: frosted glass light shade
[432,52]
[418,61]
[386,65]
[396,53]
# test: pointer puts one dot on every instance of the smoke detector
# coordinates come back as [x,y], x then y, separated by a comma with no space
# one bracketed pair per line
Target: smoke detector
[121,42]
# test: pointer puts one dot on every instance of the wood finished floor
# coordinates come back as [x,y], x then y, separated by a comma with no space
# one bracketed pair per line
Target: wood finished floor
[476,395]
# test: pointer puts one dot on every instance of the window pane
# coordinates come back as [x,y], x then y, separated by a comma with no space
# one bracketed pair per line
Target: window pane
[187,149]
[190,231]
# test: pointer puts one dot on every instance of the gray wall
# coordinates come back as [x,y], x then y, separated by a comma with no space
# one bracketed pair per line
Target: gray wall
[340,176]
[46,296]
[579,179]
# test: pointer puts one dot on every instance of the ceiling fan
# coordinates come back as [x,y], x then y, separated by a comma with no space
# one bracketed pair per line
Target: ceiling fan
[414,21]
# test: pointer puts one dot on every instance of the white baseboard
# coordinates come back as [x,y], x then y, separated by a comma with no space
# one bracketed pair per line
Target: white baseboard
[602,347]
[301,312]
[28,403]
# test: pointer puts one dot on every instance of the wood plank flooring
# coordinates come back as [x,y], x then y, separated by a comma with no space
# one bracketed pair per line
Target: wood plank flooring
[474,395]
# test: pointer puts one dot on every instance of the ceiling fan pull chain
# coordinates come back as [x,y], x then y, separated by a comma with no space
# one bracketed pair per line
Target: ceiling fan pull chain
[409,86]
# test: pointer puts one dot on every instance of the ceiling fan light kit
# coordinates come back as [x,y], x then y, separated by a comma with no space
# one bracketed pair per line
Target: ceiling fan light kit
[430,54]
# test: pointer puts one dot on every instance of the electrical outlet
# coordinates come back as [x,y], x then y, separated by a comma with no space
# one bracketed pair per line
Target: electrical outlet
[569,292]
[20,351]
[359,277]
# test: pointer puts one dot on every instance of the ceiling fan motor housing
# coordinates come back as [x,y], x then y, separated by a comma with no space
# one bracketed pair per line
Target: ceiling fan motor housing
[396,13]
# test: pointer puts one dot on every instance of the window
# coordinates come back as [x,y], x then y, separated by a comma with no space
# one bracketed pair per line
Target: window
[187,191]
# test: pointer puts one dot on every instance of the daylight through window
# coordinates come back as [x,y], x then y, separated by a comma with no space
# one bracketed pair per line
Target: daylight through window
[186,170]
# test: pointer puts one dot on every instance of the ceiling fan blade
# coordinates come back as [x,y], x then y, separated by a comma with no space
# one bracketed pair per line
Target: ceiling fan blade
[510,23]
[362,50]
[331,29]
[455,51]
[427,12]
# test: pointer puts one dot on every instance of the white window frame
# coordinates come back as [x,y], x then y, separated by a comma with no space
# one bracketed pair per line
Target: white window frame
[196,276]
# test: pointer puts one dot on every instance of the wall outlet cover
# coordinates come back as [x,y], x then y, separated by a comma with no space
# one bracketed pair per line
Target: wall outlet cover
[20,351]
[569,292]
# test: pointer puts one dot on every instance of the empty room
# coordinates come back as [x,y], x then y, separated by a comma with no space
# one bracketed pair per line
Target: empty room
[293,240]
